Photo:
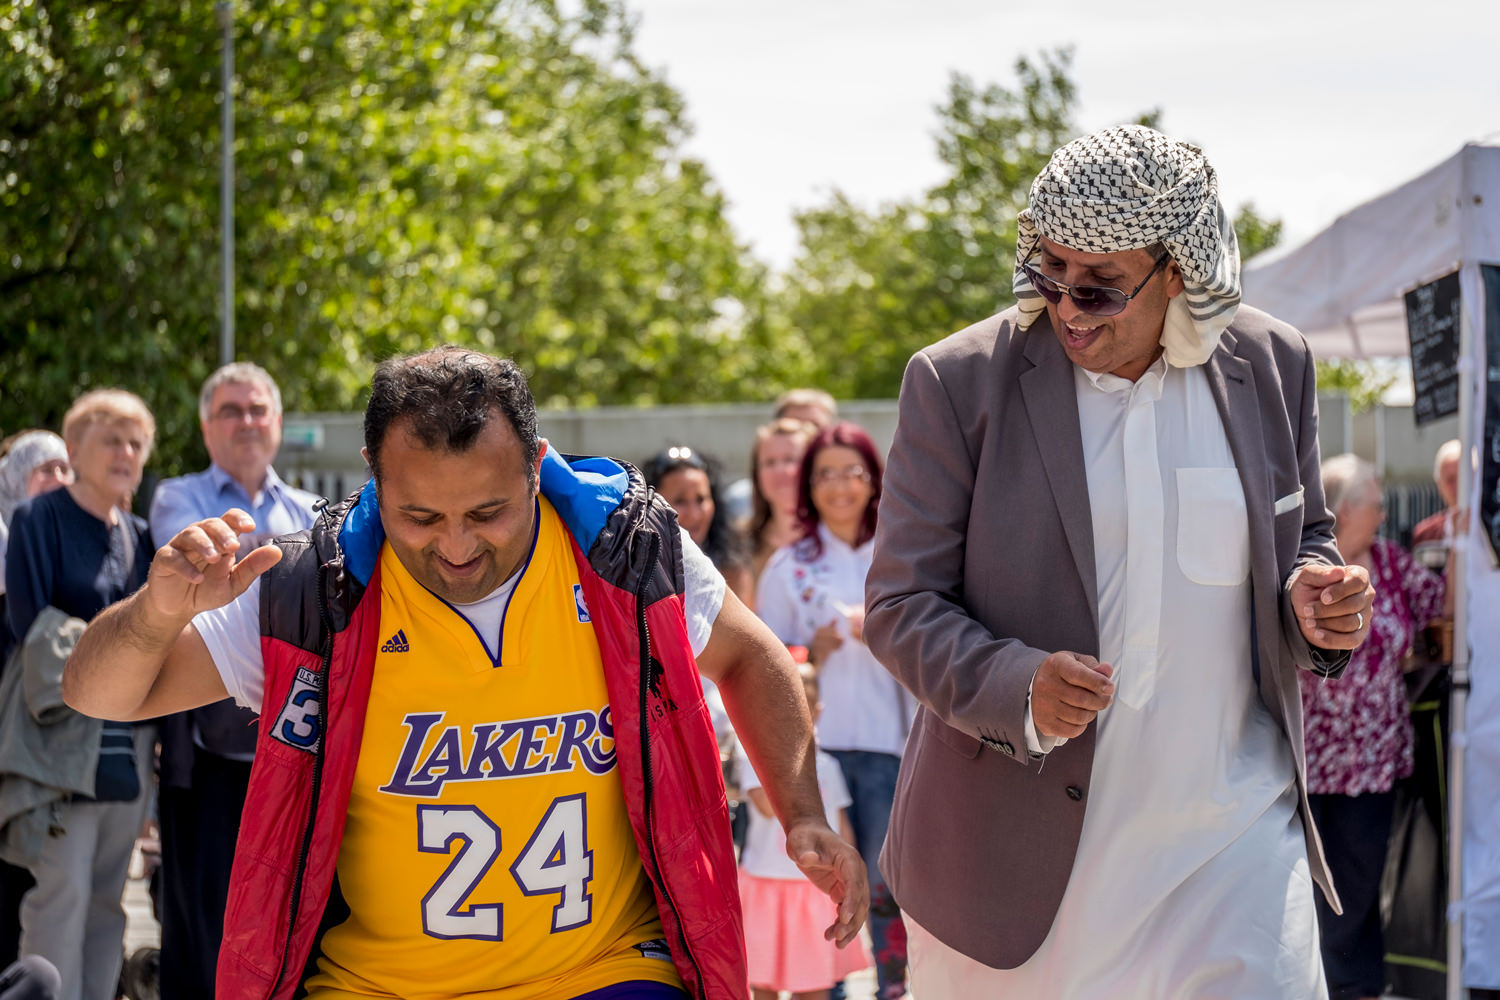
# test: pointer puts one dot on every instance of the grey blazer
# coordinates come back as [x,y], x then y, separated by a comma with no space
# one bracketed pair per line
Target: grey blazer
[984,564]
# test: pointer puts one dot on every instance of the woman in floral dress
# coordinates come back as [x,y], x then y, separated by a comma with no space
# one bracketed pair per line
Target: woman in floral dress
[1358,731]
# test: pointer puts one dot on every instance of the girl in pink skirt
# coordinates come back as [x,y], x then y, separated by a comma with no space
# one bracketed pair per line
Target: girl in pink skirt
[785,914]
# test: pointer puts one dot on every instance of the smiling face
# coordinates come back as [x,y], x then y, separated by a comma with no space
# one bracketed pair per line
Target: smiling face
[243,431]
[841,489]
[1127,343]
[687,490]
[460,522]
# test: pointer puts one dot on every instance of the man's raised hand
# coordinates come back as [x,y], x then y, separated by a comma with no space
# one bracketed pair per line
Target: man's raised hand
[198,570]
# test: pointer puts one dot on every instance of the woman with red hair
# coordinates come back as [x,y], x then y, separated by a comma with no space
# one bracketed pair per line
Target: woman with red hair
[812,594]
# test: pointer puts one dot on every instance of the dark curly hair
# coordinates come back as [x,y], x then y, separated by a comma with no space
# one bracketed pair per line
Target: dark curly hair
[447,396]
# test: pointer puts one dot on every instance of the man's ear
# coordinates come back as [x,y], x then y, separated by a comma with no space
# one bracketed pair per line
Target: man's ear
[541,453]
[1175,285]
[364,453]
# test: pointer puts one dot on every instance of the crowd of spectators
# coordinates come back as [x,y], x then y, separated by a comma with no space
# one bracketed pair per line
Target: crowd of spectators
[75,793]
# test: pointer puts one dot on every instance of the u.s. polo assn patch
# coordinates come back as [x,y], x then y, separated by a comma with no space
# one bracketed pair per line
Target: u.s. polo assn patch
[297,724]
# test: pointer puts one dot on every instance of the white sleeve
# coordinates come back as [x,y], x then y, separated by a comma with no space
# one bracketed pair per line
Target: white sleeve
[703,594]
[776,600]
[748,779]
[833,786]
[232,635]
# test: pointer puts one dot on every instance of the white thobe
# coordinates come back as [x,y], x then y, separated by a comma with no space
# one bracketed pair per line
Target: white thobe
[1191,878]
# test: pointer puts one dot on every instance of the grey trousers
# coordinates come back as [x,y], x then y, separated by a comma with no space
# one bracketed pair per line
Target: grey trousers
[74,918]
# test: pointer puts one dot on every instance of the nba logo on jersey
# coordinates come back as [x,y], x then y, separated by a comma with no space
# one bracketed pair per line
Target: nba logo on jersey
[578,603]
[297,725]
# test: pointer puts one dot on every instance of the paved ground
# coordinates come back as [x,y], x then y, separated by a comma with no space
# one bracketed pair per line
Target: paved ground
[141,929]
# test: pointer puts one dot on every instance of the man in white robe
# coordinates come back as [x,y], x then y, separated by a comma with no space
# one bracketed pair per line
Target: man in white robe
[1102,555]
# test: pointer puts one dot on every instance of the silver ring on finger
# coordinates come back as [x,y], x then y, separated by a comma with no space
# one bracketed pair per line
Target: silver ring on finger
[1360,616]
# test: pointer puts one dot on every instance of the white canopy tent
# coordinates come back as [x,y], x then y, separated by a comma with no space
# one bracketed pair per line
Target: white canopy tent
[1343,289]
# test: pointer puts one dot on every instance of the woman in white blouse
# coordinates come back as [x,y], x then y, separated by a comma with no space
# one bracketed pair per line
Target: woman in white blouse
[812,594]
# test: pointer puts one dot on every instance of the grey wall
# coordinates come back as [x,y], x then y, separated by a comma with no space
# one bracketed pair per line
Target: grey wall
[322,449]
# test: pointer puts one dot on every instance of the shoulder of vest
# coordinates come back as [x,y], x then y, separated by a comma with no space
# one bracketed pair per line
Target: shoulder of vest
[613,515]
[289,591]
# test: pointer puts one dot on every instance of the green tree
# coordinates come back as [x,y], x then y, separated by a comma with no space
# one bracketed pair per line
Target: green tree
[408,172]
[869,288]
[1256,234]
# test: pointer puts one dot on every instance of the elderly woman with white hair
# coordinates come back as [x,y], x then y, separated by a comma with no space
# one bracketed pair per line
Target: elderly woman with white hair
[78,550]
[34,463]
[1358,731]
[37,461]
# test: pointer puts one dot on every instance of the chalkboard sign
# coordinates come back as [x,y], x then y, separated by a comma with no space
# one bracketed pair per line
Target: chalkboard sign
[1489,469]
[1432,325]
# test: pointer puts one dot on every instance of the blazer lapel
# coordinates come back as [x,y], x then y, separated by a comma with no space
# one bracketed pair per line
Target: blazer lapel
[1232,381]
[1233,384]
[1052,407]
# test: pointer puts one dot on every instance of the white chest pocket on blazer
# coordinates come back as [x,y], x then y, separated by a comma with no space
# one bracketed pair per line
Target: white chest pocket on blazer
[1213,527]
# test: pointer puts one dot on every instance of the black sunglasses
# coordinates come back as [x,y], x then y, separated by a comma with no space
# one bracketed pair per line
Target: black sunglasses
[1094,300]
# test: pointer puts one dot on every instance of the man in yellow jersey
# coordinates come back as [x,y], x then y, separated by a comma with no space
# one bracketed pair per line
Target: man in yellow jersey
[484,766]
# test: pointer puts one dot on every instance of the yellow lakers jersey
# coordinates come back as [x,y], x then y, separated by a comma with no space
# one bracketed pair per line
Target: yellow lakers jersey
[488,852]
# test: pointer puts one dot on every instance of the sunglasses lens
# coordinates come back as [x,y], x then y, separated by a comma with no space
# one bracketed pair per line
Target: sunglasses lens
[1097,301]
[1043,285]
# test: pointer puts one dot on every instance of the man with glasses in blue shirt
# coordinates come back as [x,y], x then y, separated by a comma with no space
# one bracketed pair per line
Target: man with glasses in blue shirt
[1102,557]
[206,753]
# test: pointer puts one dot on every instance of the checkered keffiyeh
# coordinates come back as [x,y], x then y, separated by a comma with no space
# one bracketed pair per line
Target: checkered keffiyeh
[1128,187]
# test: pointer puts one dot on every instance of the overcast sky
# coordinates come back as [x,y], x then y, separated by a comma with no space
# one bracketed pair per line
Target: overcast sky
[1306,108]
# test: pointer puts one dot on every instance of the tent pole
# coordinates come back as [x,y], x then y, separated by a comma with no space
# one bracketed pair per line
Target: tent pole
[1458,699]
[225,11]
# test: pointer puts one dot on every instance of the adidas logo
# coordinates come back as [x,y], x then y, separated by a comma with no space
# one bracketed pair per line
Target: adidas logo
[397,643]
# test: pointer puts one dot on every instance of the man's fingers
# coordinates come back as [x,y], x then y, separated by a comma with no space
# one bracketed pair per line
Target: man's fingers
[1077,674]
[834,866]
[253,565]
[173,561]
[238,520]
[223,536]
[194,543]
[208,540]
[1072,715]
[1319,574]
[1323,611]
[1319,585]
[1352,586]
[852,894]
